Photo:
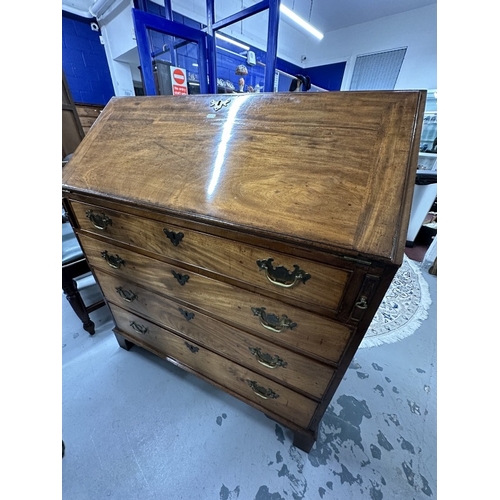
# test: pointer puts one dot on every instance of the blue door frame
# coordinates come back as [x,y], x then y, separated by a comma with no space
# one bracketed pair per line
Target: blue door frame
[143,22]
[205,40]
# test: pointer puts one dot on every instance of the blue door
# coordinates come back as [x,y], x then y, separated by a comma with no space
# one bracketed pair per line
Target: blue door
[173,56]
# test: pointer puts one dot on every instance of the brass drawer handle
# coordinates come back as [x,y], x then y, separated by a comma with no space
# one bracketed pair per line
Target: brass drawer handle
[114,261]
[139,328]
[192,347]
[262,392]
[281,276]
[362,303]
[181,278]
[174,237]
[266,359]
[272,322]
[99,221]
[187,315]
[126,295]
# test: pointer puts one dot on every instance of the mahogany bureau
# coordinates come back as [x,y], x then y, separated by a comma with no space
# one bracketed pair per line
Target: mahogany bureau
[249,238]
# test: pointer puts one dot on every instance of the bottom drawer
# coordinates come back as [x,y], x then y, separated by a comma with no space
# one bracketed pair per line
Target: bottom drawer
[252,386]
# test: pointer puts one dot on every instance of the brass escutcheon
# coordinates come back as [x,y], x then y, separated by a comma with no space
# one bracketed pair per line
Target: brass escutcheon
[187,315]
[217,104]
[182,279]
[362,303]
[174,237]
[192,347]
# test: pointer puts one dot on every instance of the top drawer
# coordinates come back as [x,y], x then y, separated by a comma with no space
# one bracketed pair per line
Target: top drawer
[294,278]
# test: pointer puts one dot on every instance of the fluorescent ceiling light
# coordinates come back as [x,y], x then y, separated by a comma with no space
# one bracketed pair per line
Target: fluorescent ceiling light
[301,22]
[228,40]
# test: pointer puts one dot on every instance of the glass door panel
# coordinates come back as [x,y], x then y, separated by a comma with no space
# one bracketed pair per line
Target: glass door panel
[173,56]
[174,63]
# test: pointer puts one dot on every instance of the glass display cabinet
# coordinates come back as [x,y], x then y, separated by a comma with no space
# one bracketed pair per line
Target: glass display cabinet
[425,191]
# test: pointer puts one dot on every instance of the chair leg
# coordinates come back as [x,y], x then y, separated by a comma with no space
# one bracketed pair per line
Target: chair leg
[76,302]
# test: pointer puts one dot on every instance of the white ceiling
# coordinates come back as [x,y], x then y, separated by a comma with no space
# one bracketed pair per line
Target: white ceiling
[331,15]
[325,15]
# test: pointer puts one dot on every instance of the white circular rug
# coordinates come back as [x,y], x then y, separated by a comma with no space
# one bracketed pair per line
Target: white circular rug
[403,308]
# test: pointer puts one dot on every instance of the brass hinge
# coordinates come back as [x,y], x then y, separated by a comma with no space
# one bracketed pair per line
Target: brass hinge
[358,261]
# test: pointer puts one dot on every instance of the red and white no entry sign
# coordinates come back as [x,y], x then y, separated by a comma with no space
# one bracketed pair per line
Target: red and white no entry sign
[179,81]
[179,76]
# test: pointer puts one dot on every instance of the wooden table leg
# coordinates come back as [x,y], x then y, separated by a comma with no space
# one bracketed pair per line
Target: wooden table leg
[76,302]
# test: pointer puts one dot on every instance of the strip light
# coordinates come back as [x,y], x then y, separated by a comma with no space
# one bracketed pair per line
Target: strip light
[301,22]
[229,40]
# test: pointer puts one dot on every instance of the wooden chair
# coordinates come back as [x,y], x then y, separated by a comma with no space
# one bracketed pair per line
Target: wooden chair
[75,266]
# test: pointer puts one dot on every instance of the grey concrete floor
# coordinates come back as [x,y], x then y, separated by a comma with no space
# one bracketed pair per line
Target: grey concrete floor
[139,428]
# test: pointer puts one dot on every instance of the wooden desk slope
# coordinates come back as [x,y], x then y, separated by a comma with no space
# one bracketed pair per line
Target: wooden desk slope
[249,239]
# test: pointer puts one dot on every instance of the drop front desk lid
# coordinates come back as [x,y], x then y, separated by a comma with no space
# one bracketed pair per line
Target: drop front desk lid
[334,170]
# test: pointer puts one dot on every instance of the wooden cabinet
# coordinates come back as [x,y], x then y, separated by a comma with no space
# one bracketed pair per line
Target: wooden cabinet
[88,114]
[72,131]
[251,239]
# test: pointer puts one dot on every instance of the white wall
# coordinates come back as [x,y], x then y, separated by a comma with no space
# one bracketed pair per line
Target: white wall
[118,33]
[416,29]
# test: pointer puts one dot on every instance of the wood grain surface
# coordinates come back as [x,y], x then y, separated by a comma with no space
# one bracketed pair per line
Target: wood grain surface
[334,168]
